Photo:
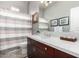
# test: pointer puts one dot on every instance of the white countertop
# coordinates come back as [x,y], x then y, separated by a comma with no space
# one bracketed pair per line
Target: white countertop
[71,48]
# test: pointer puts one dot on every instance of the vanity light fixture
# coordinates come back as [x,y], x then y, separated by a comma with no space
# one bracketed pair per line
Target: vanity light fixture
[46,3]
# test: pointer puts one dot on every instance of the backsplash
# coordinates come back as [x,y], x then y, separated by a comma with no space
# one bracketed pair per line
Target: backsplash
[61,29]
[59,24]
[65,28]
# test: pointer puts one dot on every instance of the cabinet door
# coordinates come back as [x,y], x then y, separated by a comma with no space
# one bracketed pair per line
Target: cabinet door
[40,53]
[29,50]
[60,54]
[34,53]
[29,47]
[32,50]
[46,51]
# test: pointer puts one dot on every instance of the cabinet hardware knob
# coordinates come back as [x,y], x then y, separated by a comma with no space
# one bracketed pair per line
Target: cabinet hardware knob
[45,48]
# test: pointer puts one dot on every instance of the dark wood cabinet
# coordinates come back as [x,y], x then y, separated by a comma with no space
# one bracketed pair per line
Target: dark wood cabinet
[61,54]
[37,49]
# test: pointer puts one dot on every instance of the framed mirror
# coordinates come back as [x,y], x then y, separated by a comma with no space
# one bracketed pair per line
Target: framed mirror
[35,17]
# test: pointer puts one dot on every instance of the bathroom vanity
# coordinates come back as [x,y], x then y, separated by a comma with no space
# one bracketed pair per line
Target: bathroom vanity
[43,47]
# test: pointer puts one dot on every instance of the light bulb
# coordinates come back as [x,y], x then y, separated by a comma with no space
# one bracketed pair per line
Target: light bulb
[42,1]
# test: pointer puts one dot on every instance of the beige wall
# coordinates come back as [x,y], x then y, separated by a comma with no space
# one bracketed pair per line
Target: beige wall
[61,8]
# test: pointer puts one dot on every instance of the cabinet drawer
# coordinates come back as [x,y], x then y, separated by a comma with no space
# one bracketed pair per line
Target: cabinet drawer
[48,50]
